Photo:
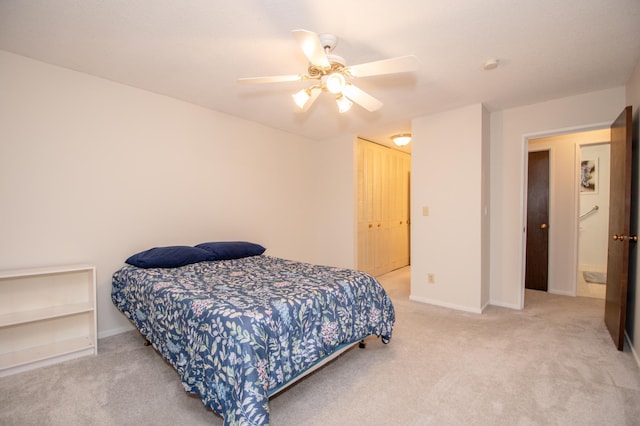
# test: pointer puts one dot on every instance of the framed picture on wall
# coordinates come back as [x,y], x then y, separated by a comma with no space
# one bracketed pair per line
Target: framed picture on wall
[589,176]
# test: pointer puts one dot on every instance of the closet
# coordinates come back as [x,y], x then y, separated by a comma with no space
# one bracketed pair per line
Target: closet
[383,208]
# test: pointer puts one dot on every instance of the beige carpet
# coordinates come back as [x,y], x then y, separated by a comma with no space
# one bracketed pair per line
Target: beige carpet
[551,364]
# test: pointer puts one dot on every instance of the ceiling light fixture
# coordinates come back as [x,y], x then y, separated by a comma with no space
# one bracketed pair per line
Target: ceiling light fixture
[305,97]
[401,139]
[335,83]
[333,75]
[490,64]
[301,97]
[344,104]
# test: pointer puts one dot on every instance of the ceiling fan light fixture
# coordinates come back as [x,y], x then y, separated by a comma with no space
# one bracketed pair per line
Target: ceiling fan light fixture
[344,104]
[331,73]
[401,139]
[335,83]
[301,98]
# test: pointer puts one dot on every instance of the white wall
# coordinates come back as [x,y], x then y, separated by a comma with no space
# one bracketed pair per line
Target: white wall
[92,172]
[633,300]
[334,219]
[510,129]
[446,177]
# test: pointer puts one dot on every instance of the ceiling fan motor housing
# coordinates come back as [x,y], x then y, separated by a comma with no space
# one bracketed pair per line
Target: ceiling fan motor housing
[328,41]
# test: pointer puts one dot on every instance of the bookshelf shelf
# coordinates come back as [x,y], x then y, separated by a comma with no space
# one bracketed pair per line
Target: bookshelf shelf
[47,315]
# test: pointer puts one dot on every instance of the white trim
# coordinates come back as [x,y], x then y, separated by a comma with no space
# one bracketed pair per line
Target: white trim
[524,185]
[633,351]
[506,305]
[576,220]
[566,130]
[445,305]
[576,231]
[561,292]
[114,331]
[48,361]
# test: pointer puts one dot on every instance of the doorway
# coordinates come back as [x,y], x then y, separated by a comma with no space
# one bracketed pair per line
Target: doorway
[383,176]
[593,221]
[564,204]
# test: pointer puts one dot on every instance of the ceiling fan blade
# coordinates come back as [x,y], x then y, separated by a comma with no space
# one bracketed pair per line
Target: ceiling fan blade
[312,47]
[385,66]
[361,97]
[272,79]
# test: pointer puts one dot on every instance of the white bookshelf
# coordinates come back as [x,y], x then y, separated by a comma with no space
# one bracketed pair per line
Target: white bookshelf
[47,315]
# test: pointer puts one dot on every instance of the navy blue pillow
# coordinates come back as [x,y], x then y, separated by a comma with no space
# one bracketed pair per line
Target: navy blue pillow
[225,250]
[169,257]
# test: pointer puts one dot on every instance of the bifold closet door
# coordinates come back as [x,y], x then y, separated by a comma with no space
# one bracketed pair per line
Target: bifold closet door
[383,208]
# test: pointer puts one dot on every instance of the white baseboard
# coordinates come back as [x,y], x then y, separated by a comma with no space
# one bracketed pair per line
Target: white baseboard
[445,305]
[505,305]
[561,292]
[633,351]
[114,331]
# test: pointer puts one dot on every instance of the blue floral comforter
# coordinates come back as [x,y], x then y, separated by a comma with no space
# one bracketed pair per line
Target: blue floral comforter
[237,330]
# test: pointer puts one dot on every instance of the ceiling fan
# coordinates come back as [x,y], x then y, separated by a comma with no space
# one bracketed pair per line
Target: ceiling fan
[333,75]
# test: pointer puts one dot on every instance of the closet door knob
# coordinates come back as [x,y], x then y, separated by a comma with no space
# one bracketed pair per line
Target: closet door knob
[543,226]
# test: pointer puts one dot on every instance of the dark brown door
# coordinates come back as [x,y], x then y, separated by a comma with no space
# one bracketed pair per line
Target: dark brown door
[615,309]
[537,257]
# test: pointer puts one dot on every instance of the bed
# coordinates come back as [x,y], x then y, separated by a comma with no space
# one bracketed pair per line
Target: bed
[239,328]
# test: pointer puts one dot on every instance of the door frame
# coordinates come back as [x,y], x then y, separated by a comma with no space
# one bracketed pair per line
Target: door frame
[576,212]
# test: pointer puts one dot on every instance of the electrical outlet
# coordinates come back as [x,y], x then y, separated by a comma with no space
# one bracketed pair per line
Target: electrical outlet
[431,278]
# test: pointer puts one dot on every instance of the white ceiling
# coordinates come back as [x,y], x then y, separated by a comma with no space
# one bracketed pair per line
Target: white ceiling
[195,50]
